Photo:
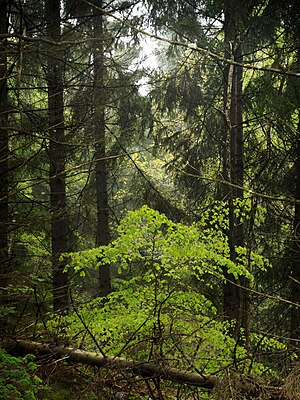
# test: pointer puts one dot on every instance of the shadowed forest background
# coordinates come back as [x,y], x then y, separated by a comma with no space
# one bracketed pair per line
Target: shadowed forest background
[149,199]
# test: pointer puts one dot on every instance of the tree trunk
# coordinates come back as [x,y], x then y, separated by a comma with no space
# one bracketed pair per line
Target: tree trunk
[295,273]
[295,311]
[59,223]
[4,217]
[102,230]
[235,297]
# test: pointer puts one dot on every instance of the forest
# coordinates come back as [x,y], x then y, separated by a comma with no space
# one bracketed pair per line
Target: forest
[149,199]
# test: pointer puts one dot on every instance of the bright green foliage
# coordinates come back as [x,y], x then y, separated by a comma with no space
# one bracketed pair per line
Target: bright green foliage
[18,380]
[165,301]
[151,244]
[145,322]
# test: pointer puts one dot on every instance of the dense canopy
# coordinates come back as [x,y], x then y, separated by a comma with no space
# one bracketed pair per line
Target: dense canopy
[149,199]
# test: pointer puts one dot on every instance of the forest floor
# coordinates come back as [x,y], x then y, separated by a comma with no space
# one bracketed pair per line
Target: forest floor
[76,382]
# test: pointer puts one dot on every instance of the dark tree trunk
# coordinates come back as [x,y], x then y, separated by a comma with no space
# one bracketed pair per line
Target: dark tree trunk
[59,223]
[102,230]
[295,313]
[235,297]
[295,310]
[4,218]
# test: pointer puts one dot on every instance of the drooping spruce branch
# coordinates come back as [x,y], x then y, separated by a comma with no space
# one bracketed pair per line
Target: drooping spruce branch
[204,51]
[193,46]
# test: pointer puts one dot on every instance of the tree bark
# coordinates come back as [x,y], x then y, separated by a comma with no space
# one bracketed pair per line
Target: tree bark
[4,216]
[102,230]
[235,298]
[295,311]
[56,132]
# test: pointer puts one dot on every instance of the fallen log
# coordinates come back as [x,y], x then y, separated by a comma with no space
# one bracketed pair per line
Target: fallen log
[153,370]
[143,368]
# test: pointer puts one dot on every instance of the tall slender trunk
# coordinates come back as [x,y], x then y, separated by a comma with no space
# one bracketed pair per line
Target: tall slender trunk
[59,222]
[295,311]
[4,217]
[235,297]
[102,232]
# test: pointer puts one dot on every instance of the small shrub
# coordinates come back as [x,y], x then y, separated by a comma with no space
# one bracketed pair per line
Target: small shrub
[18,379]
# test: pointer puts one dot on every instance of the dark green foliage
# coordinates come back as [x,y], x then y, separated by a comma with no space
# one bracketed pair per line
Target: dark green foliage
[18,379]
